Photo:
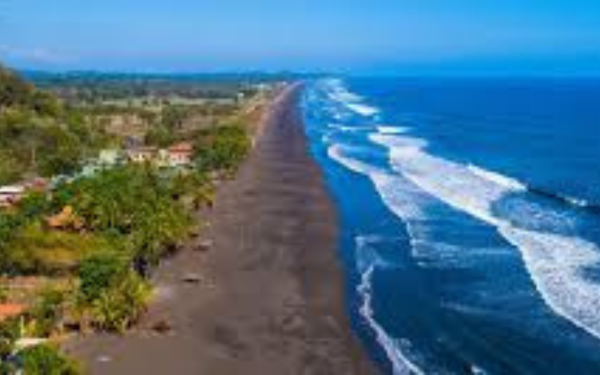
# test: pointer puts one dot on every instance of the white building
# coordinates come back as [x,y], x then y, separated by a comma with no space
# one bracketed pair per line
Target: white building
[10,195]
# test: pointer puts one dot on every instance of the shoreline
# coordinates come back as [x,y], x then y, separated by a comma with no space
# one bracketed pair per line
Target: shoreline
[270,295]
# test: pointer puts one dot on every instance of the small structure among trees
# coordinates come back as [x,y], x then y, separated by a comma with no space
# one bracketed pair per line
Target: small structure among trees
[181,154]
[10,195]
[142,154]
[178,155]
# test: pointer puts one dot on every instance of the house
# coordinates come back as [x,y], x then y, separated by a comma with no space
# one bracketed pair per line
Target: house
[38,185]
[143,154]
[181,154]
[10,195]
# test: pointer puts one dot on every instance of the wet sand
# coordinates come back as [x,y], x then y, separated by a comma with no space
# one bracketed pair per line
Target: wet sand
[267,297]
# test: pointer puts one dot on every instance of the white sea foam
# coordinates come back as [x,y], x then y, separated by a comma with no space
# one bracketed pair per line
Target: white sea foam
[407,201]
[393,348]
[336,152]
[367,255]
[497,178]
[352,128]
[475,370]
[555,262]
[451,182]
[402,198]
[342,96]
[338,92]
[392,129]
[344,128]
[400,363]
[362,109]
[406,145]
[578,202]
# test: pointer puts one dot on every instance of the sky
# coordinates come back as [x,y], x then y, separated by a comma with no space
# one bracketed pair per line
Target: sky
[405,37]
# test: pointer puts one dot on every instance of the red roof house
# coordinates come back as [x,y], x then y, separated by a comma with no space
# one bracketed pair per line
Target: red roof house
[181,154]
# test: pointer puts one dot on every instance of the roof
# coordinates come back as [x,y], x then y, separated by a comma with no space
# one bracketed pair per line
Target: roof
[144,149]
[8,310]
[12,189]
[183,147]
[36,183]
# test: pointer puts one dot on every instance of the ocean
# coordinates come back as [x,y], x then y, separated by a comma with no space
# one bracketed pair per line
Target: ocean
[470,217]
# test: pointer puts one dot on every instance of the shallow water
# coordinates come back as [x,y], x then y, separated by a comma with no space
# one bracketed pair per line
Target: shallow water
[471,229]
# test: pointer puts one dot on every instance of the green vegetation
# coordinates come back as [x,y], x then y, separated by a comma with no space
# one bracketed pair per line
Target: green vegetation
[133,203]
[16,93]
[93,88]
[39,135]
[111,293]
[36,250]
[97,274]
[222,147]
[119,224]
[9,333]
[119,305]
[127,219]
[98,237]
[45,315]
[41,359]
[47,360]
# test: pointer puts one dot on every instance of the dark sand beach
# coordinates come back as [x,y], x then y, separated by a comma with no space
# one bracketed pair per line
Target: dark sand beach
[267,297]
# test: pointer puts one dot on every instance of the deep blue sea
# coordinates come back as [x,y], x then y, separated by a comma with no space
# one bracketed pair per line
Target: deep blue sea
[470,212]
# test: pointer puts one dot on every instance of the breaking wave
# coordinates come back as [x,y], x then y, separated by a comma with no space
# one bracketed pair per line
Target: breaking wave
[368,262]
[337,91]
[392,129]
[555,262]
[575,202]
[497,178]
[540,233]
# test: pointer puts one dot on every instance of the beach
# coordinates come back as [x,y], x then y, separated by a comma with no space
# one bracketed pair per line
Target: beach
[261,291]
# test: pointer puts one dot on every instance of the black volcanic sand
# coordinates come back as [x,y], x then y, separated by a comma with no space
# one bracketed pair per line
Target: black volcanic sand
[270,294]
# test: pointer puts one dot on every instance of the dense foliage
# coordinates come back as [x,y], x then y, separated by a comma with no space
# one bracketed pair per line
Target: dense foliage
[97,273]
[222,147]
[16,93]
[120,305]
[111,293]
[38,134]
[102,233]
[132,202]
[47,360]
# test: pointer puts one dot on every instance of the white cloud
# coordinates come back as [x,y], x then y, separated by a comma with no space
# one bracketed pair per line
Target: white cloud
[34,55]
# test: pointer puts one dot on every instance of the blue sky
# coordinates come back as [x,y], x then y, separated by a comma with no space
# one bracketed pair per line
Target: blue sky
[366,36]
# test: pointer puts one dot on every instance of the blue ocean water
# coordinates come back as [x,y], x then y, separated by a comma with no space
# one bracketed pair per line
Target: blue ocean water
[470,214]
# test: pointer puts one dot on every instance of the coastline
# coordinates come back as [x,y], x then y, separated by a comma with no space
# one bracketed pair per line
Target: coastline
[270,295]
